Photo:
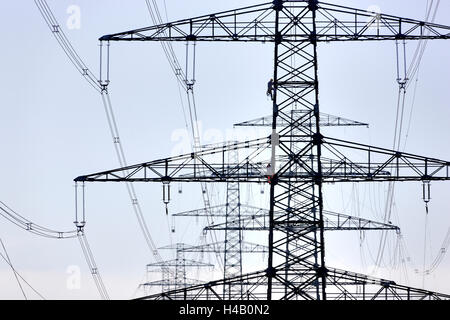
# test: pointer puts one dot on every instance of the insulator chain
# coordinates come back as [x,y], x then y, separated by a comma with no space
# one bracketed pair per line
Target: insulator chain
[166,195]
[80,208]
[426,193]
[173,224]
[104,66]
[402,81]
[190,83]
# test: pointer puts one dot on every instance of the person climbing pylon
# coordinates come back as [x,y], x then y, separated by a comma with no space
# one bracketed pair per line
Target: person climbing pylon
[269,173]
[270,89]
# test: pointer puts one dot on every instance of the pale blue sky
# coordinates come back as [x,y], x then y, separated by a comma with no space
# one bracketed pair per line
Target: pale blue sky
[53,128]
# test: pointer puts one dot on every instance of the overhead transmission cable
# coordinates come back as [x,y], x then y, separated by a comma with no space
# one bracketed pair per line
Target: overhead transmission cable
[420,50]
[188,86]
[8,261]
[17,275]
[438,258]
[404,82]
[401,98]
[36,229]
[65,44]
[441,254]
[425,250]
[100,87]
[80,222]
[27,225]
[78,63]
[92,265]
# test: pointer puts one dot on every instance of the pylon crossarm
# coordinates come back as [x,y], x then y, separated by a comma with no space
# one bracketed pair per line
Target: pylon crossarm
[332,222]
[374,164]
[379,164]
[201,292]
[174,263]
[326,120]
[258,24]
[339,221]
[247,247]
[253,23]
[207,165]
[339,23]
[220,211]
[341,285]
[175,246]
[160,283]
[370,288]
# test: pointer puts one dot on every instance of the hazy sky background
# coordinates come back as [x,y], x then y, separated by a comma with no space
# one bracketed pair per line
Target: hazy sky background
[53,129]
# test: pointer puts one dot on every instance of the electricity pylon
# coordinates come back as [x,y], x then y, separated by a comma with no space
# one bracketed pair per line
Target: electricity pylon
[301,159]
[180,264]
[234,245]
[233,236]
[233,291]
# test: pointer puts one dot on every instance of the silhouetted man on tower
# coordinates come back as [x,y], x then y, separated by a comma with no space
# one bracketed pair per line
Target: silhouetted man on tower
[270,89]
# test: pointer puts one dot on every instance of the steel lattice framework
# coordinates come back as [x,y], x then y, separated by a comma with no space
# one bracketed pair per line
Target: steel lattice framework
[233,235]
[333,221]
[326,120]
[179,280]
[301,159]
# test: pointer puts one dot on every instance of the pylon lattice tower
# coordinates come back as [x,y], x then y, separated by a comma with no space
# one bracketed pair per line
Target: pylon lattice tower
[233,234]
[233,246]
[301,158]
[178,279]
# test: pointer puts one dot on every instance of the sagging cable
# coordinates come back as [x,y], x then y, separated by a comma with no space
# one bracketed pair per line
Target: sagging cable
[75,59]
[31,227]
[8,261]
[80,213]
[65,44]
[16,273]
[188,86]
[92,265]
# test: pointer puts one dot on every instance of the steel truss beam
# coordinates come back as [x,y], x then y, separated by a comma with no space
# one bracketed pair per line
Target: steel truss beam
[220,212]
[326,120]
[171,283]
[332,222]
[306,159]
[177,262]
[342,285]
[247,247]
[257,219]
[210,165]
[260,24]
[167,284]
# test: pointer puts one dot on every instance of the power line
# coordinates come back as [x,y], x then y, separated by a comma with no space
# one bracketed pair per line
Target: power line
[29,226]
[92,265]
[8,260]
[307,160]
[65,44]
[101,87]
[409,73]
[17,274]
[188,86]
